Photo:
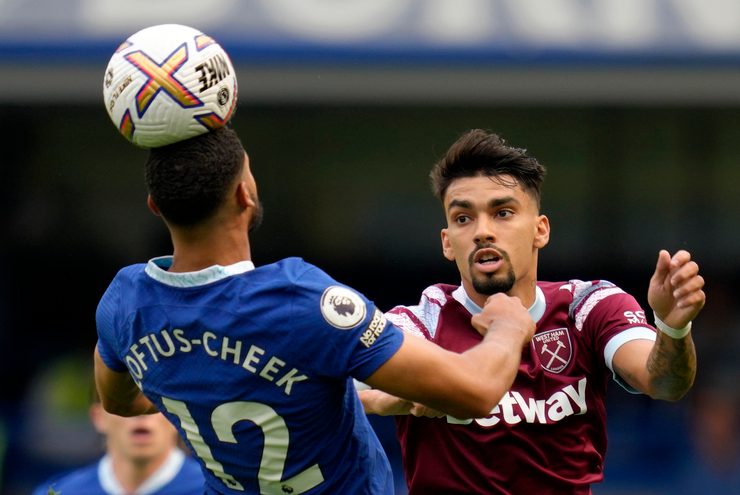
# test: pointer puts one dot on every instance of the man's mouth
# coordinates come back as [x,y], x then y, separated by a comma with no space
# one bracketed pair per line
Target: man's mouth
[488,259]
[141,433]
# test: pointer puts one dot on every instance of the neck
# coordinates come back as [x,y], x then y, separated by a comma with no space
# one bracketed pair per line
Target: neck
[199,248]
[132,473]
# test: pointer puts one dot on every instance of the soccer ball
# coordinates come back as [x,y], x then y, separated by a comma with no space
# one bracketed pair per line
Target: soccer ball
[167,83]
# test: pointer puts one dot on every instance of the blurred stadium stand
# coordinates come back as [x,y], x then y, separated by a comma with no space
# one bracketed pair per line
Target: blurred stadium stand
[634,106]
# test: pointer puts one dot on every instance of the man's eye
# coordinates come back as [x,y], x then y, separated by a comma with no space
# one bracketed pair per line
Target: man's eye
[461,219]
[504,213]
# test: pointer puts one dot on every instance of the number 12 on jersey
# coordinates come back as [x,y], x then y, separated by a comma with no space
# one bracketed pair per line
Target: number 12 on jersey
[274,451]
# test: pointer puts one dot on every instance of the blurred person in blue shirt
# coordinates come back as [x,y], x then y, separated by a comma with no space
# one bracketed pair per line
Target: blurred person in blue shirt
[142,457]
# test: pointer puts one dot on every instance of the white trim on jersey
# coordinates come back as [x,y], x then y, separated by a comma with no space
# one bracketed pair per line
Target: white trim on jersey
[590,298]
[461,296]
[634,333]
[159,478]
[423,315]
[157,269]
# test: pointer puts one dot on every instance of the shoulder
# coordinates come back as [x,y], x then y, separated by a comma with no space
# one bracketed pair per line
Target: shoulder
[585,299]
[130,272]
[421,319]
[189,480]
[434,295]
[191,467]
[124,278]
[293,270]
[313,294]
[579,292]
[578,288]
[81,481]
[302,282]
[112,298]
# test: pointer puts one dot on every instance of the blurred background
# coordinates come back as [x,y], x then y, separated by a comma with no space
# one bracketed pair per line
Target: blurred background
[633,105]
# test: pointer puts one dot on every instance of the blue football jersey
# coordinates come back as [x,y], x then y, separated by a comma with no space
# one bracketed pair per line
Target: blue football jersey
[254,366]
[179,475]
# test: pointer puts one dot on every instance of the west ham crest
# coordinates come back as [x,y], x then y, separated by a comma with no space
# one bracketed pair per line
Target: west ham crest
[554,349]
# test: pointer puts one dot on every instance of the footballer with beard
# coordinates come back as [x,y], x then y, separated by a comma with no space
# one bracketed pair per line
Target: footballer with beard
[547,435]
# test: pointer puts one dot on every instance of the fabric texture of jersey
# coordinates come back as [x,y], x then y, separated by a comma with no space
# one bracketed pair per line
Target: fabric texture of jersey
[254,367]
[548,433]
[179,475]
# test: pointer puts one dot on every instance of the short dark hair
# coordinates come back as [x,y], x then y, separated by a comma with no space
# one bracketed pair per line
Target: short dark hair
[188,180]
[482,153]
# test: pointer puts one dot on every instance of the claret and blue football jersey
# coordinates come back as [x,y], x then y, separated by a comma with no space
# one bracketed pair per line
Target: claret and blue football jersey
[547,435]
[254,367]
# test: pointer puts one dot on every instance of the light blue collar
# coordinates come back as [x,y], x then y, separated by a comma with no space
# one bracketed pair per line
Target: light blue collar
[157,269]
[536,310]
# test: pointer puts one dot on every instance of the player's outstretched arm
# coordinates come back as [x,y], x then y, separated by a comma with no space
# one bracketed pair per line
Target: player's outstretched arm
[464,385]
[382,403]
[385,404]
[666,369]
[118,392]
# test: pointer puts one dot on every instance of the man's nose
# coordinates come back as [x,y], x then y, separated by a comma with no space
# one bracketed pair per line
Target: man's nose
[484,231]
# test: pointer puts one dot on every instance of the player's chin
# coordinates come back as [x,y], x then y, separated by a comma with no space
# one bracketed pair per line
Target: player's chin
[491,283]
[143,454]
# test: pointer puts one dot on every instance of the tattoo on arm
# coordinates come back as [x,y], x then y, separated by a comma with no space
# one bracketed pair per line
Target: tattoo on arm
[672,367]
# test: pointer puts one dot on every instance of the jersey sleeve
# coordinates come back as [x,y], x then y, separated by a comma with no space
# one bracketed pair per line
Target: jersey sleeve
[612,317]
[422,319]
[105,319]
[349,335]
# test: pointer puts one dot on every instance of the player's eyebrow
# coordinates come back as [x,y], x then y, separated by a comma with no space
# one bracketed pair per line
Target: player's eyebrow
[459,203]
[494,203]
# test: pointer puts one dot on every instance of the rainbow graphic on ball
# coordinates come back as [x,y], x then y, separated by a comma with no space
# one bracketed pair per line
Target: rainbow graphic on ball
[161,78]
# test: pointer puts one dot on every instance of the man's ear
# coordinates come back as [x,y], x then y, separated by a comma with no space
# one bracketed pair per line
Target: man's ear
[447,246]
[152,206]
[97,417]
[542,234]
[243,197]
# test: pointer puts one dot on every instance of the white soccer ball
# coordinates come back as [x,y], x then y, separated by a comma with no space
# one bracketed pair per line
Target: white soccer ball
[167,83]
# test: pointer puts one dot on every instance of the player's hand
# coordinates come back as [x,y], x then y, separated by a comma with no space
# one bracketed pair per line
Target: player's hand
[675,292]
[384,404]
[422,411]
[503,313]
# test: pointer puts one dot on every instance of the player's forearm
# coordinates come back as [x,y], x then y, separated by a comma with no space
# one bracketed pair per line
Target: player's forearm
[506,327]
[383,404]
[494,365]
[482,375]
[134,404]
[142,405]
[671,367]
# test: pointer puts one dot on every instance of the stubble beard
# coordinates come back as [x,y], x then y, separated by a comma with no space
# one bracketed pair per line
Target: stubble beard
[491,284]
[257,216]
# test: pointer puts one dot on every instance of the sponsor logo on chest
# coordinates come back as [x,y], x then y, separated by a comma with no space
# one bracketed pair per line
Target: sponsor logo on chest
[515,408]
